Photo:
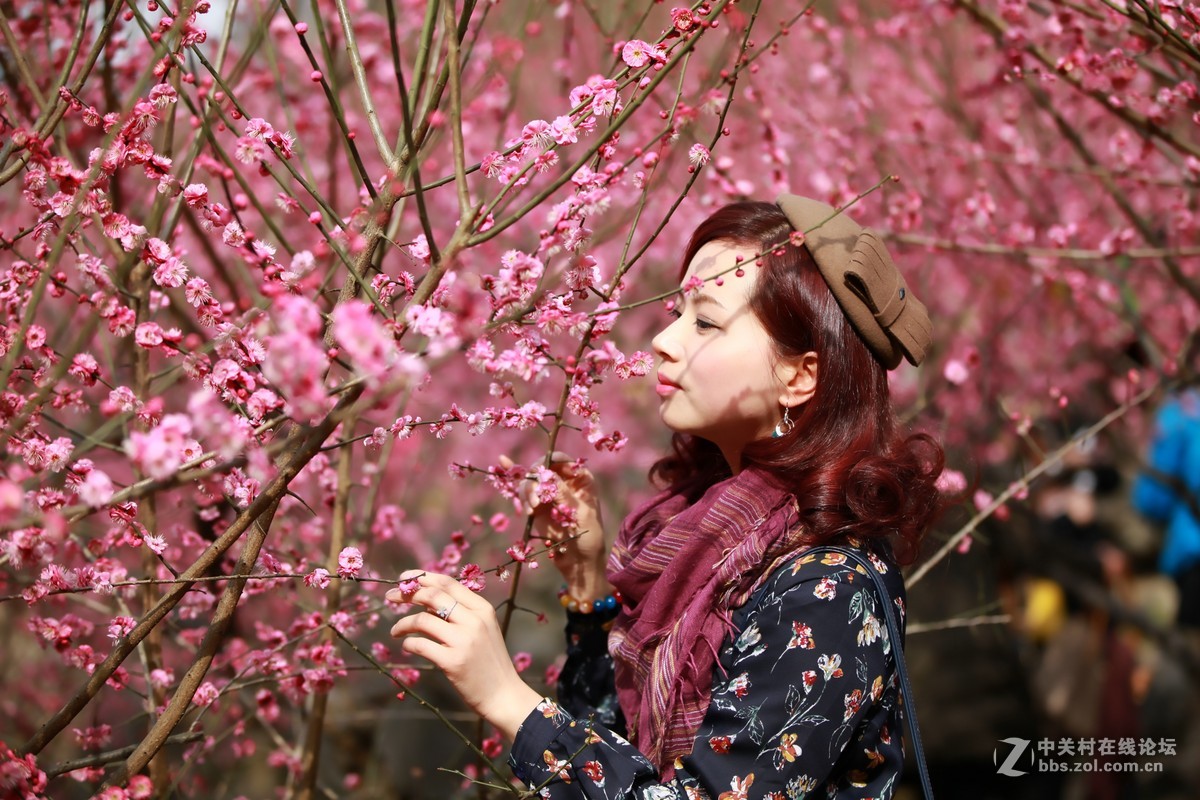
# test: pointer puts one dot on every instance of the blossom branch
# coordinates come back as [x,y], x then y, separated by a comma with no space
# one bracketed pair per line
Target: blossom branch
[100,759]
[310,441]
[1123,203]
[22,67]
[1022,484]
[731,82]
[672,292]
[309,188]
[1066,253]
[33,303]
[409,158]
[999,31]
[613,127]
[222,618]
[1157,27]
[150,649]
[188,472]
[454,64]
[360,79]
[437,712]
[51,116]
[421,66]
[311,753]
[335,103]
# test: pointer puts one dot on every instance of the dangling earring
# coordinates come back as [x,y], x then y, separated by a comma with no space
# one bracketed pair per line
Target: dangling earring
[785,425]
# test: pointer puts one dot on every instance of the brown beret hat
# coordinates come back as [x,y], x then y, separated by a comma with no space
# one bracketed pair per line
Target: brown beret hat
[863,279]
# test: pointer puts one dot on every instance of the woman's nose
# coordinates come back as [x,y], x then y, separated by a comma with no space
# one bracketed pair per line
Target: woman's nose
[664,344]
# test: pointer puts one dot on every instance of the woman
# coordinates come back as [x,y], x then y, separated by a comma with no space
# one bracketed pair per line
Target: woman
[737,665]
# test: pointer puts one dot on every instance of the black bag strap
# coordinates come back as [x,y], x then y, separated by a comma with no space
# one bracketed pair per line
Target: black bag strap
[910,708]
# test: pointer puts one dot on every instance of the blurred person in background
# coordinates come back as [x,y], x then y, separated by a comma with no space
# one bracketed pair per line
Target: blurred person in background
[1168,491]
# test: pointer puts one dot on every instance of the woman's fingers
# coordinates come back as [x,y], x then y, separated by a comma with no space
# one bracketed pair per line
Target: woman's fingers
[438,593]
[419,636]
[447,607]
[569,469]
[421,623]
[572,478]
[428,649]
[464,642]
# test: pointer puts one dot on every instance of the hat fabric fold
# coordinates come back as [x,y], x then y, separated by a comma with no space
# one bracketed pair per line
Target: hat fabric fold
[864,280]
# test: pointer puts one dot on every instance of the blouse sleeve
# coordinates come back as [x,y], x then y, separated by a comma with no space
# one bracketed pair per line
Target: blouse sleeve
[586,685]
[808,683]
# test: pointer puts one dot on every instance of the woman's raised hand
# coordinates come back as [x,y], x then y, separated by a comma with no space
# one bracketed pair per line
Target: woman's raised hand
[457,630]
[579,552]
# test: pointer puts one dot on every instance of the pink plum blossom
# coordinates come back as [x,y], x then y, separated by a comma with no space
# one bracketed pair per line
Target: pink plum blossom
[159,451]
[171,273]
[472,577]
[636,53]
[951,482]
[350,562]
[318,578]
[371,349]
[148,335]
[96,489]
[563,131]
[956,372]
[206,694]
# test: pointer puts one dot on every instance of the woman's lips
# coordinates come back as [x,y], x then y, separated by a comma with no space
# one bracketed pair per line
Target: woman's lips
[666,387]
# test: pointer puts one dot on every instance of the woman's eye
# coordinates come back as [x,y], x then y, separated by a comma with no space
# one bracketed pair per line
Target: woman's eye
[701,324]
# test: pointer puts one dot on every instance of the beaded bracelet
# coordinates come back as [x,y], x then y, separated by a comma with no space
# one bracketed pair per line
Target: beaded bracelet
[588,606]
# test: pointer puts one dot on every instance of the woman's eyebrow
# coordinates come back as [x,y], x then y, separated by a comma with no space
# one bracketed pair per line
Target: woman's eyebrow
[705,298]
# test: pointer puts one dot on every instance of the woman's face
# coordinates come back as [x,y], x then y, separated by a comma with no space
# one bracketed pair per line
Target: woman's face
[718,377]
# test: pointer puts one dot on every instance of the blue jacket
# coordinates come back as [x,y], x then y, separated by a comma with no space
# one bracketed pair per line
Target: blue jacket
[1174,451]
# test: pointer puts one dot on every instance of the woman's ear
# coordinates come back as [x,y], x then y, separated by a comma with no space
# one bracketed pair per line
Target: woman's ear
[799,376]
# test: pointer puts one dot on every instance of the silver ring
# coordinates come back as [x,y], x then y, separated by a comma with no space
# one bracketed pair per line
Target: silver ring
[445,611]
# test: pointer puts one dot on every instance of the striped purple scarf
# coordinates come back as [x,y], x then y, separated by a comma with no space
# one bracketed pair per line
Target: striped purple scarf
[682,570]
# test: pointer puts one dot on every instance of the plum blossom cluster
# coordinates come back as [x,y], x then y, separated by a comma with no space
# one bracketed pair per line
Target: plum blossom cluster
[213,352]
[637,53]
[20,775]
[256,145]
[535,150]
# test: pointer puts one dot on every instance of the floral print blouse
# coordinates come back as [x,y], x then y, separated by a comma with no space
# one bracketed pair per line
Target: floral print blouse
[805,702]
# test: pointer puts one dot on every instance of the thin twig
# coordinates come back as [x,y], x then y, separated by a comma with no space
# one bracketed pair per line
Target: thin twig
[408,691]
[1065,253]
[965,622]
[311,754]
[360,79]
[100,759]
[1022,484]
[456,108]
[616,124]
[22,67]
[50,117]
